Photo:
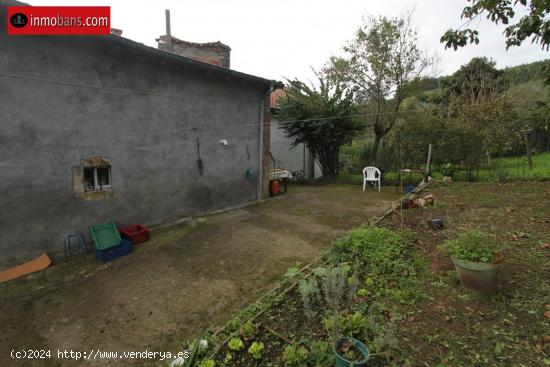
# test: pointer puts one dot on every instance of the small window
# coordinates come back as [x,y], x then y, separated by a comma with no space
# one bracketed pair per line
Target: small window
[97,178]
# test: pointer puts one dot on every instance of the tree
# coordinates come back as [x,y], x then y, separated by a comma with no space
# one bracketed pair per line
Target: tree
[536,24]
[530,103]
[475,80]
[382,65]
[322,118]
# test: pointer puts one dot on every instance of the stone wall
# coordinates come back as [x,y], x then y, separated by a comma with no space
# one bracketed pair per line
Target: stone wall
[65,101]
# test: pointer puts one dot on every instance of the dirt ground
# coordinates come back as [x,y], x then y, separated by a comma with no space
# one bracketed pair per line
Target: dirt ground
[454,327]
[443,325]
[187,278]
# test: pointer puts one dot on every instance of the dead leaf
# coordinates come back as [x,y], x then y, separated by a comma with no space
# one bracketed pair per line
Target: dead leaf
[545,339]
[547,314]
[546,246]
[448,318]
[509,210]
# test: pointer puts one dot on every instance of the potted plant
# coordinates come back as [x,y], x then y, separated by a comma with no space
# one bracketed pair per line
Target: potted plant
[476,259]
[350,352]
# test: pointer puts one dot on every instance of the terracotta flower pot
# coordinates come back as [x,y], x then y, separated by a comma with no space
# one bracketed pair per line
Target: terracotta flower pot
[479,277]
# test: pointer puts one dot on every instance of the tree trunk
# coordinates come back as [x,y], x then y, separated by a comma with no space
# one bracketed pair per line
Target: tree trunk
[376,146]
[329,163]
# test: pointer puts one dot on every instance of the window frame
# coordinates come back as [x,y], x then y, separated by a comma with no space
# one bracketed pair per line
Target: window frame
[96,187]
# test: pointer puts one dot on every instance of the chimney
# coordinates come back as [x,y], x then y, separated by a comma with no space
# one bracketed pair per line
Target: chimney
[215,53]
[168,30]
[116,32]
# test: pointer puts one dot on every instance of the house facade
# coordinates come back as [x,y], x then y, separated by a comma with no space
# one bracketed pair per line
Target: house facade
[101,127]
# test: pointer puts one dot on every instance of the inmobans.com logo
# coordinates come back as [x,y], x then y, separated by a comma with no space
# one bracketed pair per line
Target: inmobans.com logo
[19,20]
[25,20]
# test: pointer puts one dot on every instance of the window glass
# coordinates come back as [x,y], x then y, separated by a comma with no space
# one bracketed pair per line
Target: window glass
[89,178]
[103,178]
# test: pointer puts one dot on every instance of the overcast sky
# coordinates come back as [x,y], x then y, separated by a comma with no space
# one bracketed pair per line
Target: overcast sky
[284,38]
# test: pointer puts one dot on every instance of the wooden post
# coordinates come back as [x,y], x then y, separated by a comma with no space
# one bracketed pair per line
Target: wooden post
[429,161]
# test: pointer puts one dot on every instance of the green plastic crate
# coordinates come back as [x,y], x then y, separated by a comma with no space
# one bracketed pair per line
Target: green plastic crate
[105,235]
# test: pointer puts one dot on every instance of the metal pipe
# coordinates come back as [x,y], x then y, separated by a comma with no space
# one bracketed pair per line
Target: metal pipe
[261,155]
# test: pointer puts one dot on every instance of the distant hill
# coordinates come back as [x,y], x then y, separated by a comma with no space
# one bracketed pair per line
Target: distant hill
[527,72]
[518,74]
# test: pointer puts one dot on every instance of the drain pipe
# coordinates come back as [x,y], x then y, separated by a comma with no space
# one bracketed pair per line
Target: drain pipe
[261,155]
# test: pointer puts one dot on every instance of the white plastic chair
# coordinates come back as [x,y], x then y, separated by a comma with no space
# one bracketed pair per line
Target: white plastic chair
[372,175]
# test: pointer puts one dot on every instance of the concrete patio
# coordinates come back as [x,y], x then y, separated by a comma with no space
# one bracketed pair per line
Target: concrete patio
[188,277]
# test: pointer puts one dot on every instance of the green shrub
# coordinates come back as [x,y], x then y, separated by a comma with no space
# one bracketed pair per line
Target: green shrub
[248,329]
[355,325]
[232,324]
[320,353]
[472,245]
[379,248]
[389,266]
[447,169]
[235,344]
[256,350]
[295,355]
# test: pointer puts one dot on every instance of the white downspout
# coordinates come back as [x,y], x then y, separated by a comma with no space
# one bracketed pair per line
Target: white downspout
[260,155]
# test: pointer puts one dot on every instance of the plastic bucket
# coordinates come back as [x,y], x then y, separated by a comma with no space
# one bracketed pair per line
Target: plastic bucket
[342,362]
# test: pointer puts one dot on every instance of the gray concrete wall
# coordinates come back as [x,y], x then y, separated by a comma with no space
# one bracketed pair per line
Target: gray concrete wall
[289,157]
[46,129]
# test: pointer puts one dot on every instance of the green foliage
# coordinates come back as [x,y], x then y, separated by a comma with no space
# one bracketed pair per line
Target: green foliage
[355,325]
[309,291]
[235,344]
[294,272]
[232,324]
[322,118]
[196,352]
[295,355]
[228,357]
[384,342]
[334,285]
[535,25]
[383,65]
[207,363]
[248,329]
[390,265]
[362,292]
[447,169]
[256,350]
[378,247]
[320,353]
[354,156]
[471,245]
[473,79]
[526,73]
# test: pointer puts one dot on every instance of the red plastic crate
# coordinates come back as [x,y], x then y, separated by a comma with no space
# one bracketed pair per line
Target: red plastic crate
[135,233]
